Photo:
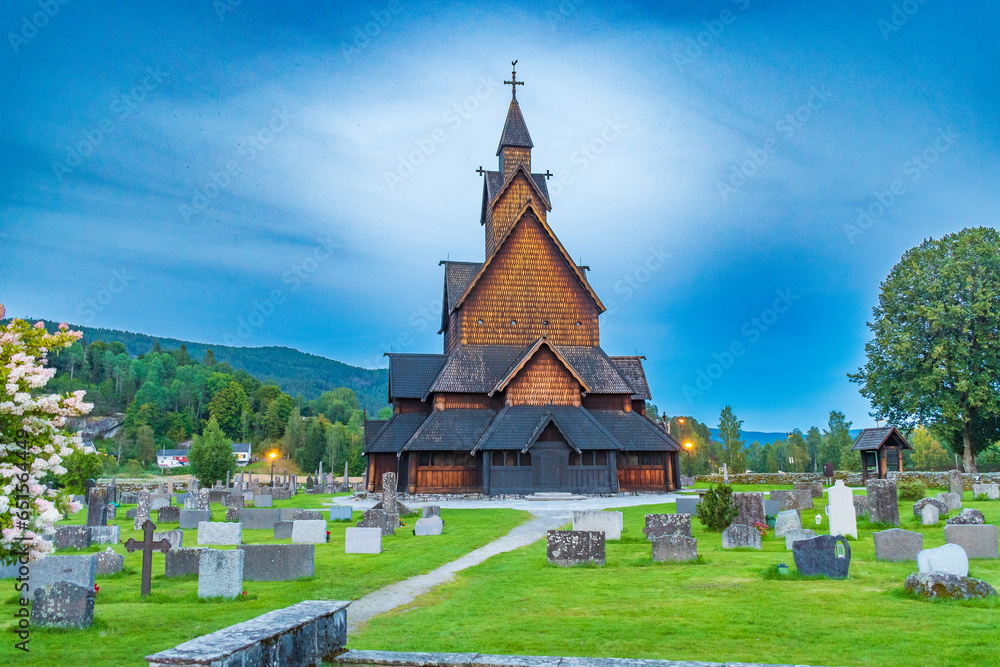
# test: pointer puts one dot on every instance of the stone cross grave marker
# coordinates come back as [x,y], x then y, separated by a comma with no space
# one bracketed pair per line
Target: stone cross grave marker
[147,546]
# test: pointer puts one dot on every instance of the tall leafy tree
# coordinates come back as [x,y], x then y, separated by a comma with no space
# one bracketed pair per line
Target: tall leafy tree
[836,440]
[211,455]
[731,430]
[146,443]
[928,454]
[227,406]
[936,346]
[814,442]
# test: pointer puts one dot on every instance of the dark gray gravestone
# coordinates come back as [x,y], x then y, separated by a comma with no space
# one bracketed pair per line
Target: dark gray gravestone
[860,506]
[820,556]
[897,544]
[431,510]
[259,518]
[76,537]
[131,513]
[688,505]
[573,547]
[278,562]
[191,518]
[738,536]
[234,501]
[217,495]
[883,505]
[674,548]
[170,514]
[374,518]
[182,561]
[814,488]
[109,562]
[283,530]
[660,525]
[97,507]
[233,513]
[955,482]
[63,605]
[751,508]
[307,515]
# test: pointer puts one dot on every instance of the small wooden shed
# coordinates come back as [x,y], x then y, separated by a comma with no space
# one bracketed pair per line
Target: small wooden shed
[881,449]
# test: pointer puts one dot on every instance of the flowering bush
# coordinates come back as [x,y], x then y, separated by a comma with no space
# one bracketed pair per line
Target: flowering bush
[32,440]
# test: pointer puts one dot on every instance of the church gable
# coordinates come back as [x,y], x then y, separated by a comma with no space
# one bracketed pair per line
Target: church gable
[503,212]
[544,380]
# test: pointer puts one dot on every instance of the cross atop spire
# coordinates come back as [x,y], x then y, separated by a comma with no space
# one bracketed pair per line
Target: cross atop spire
[513,83]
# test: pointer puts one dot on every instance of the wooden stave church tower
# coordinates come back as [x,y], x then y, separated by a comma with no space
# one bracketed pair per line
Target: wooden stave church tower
[523,399]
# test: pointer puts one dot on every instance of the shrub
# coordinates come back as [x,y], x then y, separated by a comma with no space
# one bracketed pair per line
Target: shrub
[716,510]
[912,490]
[79,468]
[133,468]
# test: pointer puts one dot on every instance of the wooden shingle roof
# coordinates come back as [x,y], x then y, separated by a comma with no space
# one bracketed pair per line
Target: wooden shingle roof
[872,438]
[458,429]
[515,132]
[632,370]
[411,375]
[635,432]
[395,433]
[457,276]
[517,427]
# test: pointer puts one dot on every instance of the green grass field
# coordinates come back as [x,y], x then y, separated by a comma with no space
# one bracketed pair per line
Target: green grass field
[127,627]
[723,608]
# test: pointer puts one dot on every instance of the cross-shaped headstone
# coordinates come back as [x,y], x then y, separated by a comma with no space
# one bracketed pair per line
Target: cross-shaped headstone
[147,546]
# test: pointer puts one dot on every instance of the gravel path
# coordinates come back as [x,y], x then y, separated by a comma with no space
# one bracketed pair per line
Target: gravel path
[404,592]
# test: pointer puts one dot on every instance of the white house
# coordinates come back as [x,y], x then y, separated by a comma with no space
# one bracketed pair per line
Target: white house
[171,458]
[242,452]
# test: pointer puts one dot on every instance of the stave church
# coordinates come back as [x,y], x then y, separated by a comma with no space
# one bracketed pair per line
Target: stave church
[522,399]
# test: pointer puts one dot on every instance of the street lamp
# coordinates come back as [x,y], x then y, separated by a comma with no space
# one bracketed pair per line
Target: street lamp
[687,448]
[272,456]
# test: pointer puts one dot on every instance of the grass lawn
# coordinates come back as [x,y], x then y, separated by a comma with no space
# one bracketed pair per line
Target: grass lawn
[724,608]
[126,627]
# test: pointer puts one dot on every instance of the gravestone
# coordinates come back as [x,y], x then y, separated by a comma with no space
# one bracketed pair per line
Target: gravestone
[147,546]
[751,508]
[609,523]
[307,515]
[947,587]
[283,530]
[130,514]
[793,500]
[740,535]
[204,500]
[968,516]
[112,512]
[952,500]
[940,504]
[174,537]
[363,541]
[191,518]
[309,532]
[182,562]
[288,513]
[948,559]
[955,482]
[674,548]
[792,536]
[823,555]
[573,547]
[109,562]
[97,507]
[220,573]
[979,541]
[263,500]
[929,515]
[991,491]
[259,518]
[278,562]
[341,514]
[843,520]
[169,514]
[814,488]
[688,505]
[431,510]
[660,525]
[432,525]
[220,533]
[883,503]
[79,570]
[786,521]
[389,492]
[218,495]
[72,537]
[158,501]
[105,534]
[141,510]
[771,507]
[897,544]
[379,519]
[63,605]
[860,506]
[234,501]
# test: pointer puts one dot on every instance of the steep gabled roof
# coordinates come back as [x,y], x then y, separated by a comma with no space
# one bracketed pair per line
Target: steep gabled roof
[495,185]
[632,370]
[871,439]
[396,432]
[515,132]
[635,432]
[526,356]
[372,428]
[475,368]
[458,429]
[518,427]
[411,375]
[457,276]
[577,271]
[597,369]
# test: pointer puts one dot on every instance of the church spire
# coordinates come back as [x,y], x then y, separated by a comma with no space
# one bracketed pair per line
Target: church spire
[515,142]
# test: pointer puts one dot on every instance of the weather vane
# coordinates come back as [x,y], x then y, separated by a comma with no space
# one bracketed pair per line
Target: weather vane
[513,83]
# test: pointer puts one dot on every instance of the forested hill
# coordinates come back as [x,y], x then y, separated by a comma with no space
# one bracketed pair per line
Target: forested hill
[295,372]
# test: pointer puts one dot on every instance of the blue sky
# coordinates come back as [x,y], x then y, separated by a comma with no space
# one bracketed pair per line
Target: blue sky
[268,174]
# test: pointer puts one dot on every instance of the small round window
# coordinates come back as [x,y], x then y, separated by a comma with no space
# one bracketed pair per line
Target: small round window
[545,323]
[480,322]
[513,323]
[579,324]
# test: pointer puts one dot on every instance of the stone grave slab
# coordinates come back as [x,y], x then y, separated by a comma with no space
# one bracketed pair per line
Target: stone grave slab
[793,500]
[341,514]
[978,541]
[948,559]
[220,573]
[955,482]
[309,531]
[182,561]
[947,586]
[820,556]
[263,501]
[109,562]
[897,544]
[674,548]
[278,562]
[573,547]
[786,521]
[220,533]
[283,530]
[688,505]
[63,605]
[740,535]
[141,510]
[968,516]
[204,499]
[929,515]
[771,507]
[307,515]
[105,534]
[952,500]
[991,491]
[189,519]
[97,507]
[607,522]
[169,514]
[660,525]
[431,510]
[288,513]
[158,501]
[883,503]
[432,525]
[843,518]
[860,506]
[259,518]
[941,505]
[233,513]
[72,537]
[815,489]
[79,570]
[751,508]
[363,541]
[234,501]
[130,514]
[792,536]
[174,537]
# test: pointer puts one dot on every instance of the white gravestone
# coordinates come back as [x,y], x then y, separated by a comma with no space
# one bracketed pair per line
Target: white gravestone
[363,541]
[929,515]
[432,525]
[220,533]
[609,523]
[843,520]
[949,559]
[220,573]
[309,531]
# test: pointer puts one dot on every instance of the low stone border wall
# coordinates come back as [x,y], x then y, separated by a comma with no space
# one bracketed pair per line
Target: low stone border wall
[303,634]
[931,479]
[401,659]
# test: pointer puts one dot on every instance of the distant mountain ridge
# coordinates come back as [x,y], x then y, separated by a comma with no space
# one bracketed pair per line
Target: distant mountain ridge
[295,372]
[767,437]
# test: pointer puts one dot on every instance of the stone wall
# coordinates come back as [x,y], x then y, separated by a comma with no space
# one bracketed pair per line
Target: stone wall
[938,480]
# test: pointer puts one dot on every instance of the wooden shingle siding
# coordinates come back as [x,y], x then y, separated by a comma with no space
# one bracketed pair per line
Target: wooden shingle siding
[511,157]
[451,401]
[411,405]
[544,380]
[607,402]
[506,209]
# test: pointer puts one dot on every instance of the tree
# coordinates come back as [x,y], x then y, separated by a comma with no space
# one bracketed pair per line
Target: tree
[209,358]
[836,440]
[276,416]
[730,431]
[936,345]
[814,442]
[928,454]
[211,455]
[79,468]
[295,432]
[227,406]
[798,450]
[146,442]
[385,413]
